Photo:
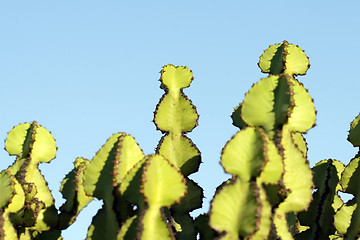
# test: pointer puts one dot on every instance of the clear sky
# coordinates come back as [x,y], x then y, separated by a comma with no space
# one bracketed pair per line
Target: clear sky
[87,69]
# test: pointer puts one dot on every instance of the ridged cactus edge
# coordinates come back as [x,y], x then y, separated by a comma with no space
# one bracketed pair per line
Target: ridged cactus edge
[272,192]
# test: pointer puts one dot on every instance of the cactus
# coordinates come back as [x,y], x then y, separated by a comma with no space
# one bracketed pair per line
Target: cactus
[31,144]
[328,216]
[11,201]
[175,115]
[318,221]
[267,157]
[347,218]
[102,177]
[126,180]
[272,192]
[73,191]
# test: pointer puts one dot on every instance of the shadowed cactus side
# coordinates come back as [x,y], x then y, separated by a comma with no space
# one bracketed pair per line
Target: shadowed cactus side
[102,177]
[72,189]
[12,200]
[175,115]
[318,221]
[328,216]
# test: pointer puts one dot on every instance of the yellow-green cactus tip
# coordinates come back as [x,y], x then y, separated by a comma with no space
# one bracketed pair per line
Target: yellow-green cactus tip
[176,77]
[284,58]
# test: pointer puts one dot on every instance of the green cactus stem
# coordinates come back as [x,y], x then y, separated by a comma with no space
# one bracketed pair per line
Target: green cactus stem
[6,189]
[32,144]
[159,175]
[101,179]
[347,218]
[147,185]
[252,157]
[72,189]
[319,219]
[233,210]
[268,155]
[350,184]
[12,200]
[175,115]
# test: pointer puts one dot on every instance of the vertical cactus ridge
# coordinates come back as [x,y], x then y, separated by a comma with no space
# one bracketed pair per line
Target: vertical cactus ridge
[131,183]
[284,58]
[175,112]
[147,185]
[272,169]
[303,113]
[6,189]
[350,183]
[272,60]
[100,166]
[354,132]
[264,212]
[11,200]
[343,216]
[297,175]
[128,229]
[180,213]
[244,161]
[176,115]
[267,104]
[31,140]
[32,144]
[105,218]
[17,201]
[7,230]
[252,157]
[269,153]
[118,155]
[158,176]
[297,180]
[233,209]
[102,177]
[347,218]
[319,219]
[72,189]
[279,98]
[127,158]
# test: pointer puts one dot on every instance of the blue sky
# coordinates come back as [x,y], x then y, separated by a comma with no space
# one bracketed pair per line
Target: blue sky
[87,69]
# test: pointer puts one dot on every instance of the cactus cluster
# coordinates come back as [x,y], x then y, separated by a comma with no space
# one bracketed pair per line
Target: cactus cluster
[134,188]
[271,179]
[272,192]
